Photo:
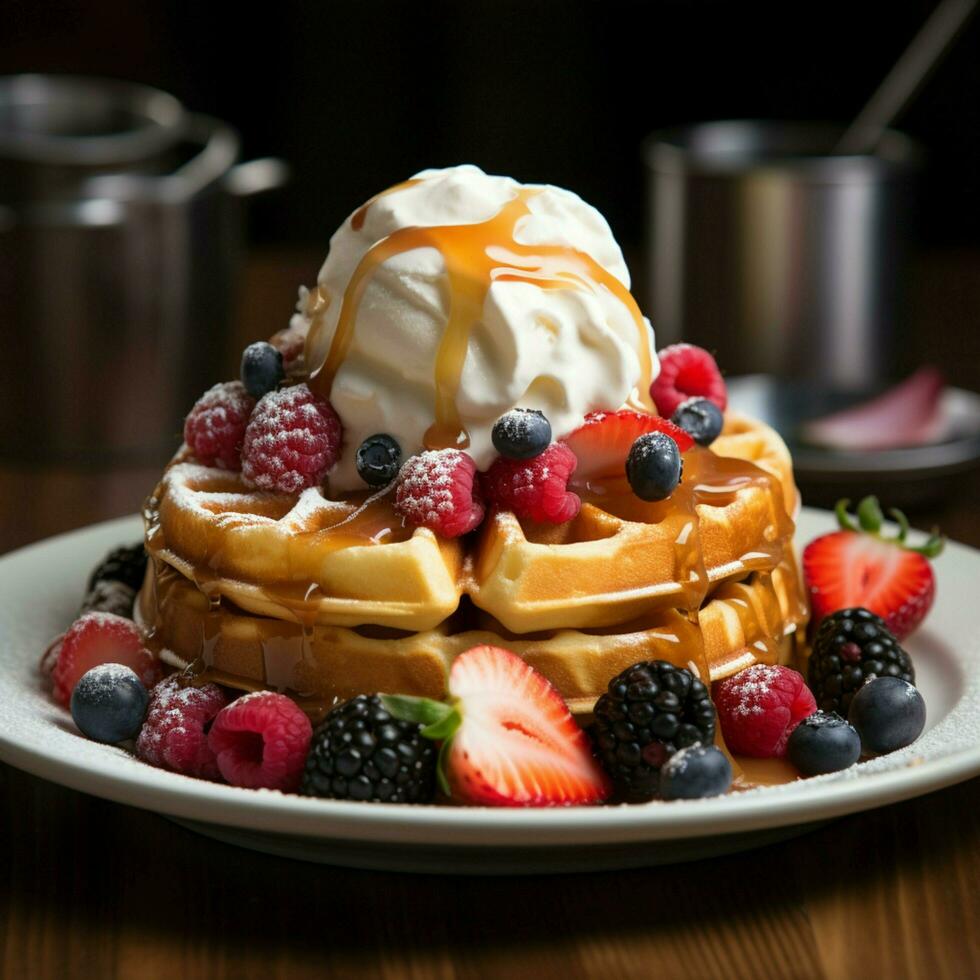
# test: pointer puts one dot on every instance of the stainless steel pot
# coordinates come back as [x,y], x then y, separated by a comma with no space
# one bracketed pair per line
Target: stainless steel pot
[780,256]
[117,282]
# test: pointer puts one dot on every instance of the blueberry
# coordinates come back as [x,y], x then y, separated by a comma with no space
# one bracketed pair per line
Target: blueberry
[262,369]
[695,772]
[888,713]
[653,466]
[521,434]
[378,459]
[700,418]
[824,742]
[109,703]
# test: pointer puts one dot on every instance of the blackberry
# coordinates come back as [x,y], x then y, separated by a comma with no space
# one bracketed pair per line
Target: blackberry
[127,565]
[849,647]
[111,597]
[361,752]
[649,711]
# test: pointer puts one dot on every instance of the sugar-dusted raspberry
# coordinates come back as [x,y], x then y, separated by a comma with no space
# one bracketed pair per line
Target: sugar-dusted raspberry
[175,733]
[215,429]
[759,707]
[438,490]
[535,488]
[686,372]
[292,440]
[261,741]
[101,638]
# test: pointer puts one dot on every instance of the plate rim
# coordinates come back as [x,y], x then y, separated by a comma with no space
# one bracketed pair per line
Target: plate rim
[172,794]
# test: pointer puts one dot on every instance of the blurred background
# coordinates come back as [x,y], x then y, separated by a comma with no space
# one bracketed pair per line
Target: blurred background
[356,96]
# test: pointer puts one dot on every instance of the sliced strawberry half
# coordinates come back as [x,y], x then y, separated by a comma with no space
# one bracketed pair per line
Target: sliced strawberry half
[508,737]
[857,566]
[602,443]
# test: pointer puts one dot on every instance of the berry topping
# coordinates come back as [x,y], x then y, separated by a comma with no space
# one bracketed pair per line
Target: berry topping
[126,564]
[823,743]
[649,711]
[361,752]
[686,372]
[111,597]
[759,707]
[291,343]
[175,733]
[535,488]
[261,741]
[508,738]
[261,369]
[849,647]
[292,440]
[694,773]
[378,460]
[101,638]
[521,434]
[653,466]
[888,713]
[437,489]
[215,429]
[109,703]
[857,566]
[701,418]
[602,443]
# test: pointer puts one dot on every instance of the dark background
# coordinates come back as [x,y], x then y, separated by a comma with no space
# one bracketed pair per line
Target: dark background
[359,95]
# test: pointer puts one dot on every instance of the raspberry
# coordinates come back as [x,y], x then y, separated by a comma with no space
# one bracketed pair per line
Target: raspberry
[535,488]
[175,733]
[261,741]
[759,707]
[437,490]
[292,440]
[686,372]
[101,638]
[215,428]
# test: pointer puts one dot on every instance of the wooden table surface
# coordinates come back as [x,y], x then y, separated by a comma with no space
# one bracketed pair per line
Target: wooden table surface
[95,889]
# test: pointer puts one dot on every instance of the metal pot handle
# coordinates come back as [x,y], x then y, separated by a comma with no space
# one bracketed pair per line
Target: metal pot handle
[257,177]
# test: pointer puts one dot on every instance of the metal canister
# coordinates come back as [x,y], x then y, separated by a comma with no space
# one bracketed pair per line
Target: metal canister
[120,244]
[781,256]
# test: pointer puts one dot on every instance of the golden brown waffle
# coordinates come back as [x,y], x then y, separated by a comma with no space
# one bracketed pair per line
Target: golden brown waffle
[328,599]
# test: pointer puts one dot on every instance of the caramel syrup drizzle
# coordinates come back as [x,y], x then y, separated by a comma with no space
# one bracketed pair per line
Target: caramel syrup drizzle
[476,256]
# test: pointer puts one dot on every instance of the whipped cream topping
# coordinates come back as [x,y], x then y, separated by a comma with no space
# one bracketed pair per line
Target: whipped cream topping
[557,332]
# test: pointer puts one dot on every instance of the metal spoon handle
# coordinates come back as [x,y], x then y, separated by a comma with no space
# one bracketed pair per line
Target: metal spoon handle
[906,76]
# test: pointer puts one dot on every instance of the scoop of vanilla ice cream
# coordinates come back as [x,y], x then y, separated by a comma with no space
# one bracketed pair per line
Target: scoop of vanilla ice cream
[565,352]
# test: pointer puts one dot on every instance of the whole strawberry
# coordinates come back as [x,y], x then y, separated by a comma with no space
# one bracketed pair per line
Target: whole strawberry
[859,566]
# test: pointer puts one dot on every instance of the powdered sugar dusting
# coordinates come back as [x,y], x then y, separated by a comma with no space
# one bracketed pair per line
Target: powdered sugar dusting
[436,490]
[101,681]
[751,687]
[292,440]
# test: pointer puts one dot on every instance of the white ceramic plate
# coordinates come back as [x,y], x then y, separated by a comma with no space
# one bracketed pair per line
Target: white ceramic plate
[41,586]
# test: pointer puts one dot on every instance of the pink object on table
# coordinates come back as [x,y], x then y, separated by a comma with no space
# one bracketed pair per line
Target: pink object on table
[910,414]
